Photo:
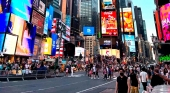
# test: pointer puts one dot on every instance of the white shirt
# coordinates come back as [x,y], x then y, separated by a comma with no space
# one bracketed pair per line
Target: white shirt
[143,76]
[94,69]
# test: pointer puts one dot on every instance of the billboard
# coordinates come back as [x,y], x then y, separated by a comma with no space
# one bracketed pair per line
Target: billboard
[38,20]
[68,20]
[4,21]
[88,31]
[36,3]
[108,4]
[46,22]
[41,7]
[109,23]
[110,52]
[78,51]
[165,20]
[66,34]
[50,17]
[26,35]
[54,40]
[10,44]
[22,9]
[128,20]
[2,36]
[37,46]
[4,6]
[47,46]
[130,41]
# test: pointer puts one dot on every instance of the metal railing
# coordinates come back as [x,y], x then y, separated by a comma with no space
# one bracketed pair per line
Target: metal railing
[24,74]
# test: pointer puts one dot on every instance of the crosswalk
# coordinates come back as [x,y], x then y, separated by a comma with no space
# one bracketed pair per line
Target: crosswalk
[78,75]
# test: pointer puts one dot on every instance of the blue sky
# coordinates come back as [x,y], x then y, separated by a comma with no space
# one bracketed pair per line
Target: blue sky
[147,7]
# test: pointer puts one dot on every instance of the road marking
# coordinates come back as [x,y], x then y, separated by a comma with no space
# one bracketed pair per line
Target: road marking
[54,87]
[95,87]
[78,75]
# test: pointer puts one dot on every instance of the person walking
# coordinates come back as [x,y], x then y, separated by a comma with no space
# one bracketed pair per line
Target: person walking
[144,78]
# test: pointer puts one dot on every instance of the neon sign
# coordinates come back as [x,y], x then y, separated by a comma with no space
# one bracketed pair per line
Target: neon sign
[164,58]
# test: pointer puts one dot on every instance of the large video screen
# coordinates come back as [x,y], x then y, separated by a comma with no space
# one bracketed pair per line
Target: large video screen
[130,41]
[165,19]
[4,6]
[128,20]
[109,23]
[26,35]
[2,36]
[4,18]
[88,31]
[21,8]
[10,44]
[108,4]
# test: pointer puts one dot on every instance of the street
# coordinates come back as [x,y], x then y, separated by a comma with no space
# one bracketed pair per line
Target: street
[79,83]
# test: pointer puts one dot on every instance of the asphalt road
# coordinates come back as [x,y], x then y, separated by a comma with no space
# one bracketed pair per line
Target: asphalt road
[77,84]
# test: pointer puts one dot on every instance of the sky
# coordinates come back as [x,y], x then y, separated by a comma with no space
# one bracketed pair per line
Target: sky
[147,7]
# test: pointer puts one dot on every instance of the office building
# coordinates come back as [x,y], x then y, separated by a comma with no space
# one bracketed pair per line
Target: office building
[123,3]
[90,43]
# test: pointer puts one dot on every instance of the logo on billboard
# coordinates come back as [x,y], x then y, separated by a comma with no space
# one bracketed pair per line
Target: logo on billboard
[88,30]
[36,3]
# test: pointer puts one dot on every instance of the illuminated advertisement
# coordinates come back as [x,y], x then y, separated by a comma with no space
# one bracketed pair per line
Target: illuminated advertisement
[47,46]
[110,52]
[4,21]
[54,39]
[128,20]
[164,58]
[68,20]
[26,35]
[159,32]
[108,4]
[165,20]
[78,51]
[88,31]
[130,41]
[109,23]
[2,36]
[38,20]
[36,46]
[22,8]
[9,44]
[66,34]
[51,11]
[46,22]
[36,3]
[4,6]
[41,7]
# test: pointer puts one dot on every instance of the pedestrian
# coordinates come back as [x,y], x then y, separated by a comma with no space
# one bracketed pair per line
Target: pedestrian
[72,70]
[144,78]
[122,83]
[105,73]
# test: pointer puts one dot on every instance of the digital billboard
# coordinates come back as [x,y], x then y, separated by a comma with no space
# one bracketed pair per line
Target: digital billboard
[4,21]
[108,4]
[109,23]
[110,52]
[36,3]
[2,36]
[66,33]
[41,7]
[51,11]
[130,41]
[78,51]
[46,22]
[128,20]
[26,35]
[4,6]
[88,31]
[38,20]
[37,46]
[47,46]
[54,39]
[22,8]
[165,20]
[10,44]
[68,20]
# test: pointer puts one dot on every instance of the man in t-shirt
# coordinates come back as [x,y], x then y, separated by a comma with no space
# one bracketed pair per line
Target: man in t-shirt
[144,77]
[122,83]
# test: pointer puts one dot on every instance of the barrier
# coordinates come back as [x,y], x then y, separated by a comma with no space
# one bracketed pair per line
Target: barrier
[23,74]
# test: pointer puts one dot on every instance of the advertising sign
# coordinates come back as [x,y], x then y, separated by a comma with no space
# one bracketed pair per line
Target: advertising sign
[68,20]
[46,22]
[51,11]
[41,7]
[38,20]
[36,46]
[78,51]
[4,6]
[165,19]
[66,34]
[108,4]
[2,36]
[36,3]
[4,21]
[109,23]
[128,20]
[158,25]
[130,41]
[88,31]
[47,46]
[109,52]
[26,35]
[54,39]
[164,58]
[22,8]
[10,44]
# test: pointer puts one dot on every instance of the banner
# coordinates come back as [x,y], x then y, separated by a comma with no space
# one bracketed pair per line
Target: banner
[54,39]
[110,52]
[50,18]
[47,46]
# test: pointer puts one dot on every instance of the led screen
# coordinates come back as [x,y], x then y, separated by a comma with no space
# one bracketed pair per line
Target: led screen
[130,41]
[46,22]
[21,8]
[2,36]
[4,6]
[108,4]
[10,44]
[165,19]
[54,39]
[88,31]
[4,18]
[128,20]
[51,11]
[26,35]
[37,46]
[109,23]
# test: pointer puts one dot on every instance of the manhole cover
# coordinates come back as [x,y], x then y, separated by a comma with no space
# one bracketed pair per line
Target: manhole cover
[108,91]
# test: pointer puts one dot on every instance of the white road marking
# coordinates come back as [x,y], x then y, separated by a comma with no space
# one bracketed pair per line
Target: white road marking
[78,75]
[95,87]
[54,87]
